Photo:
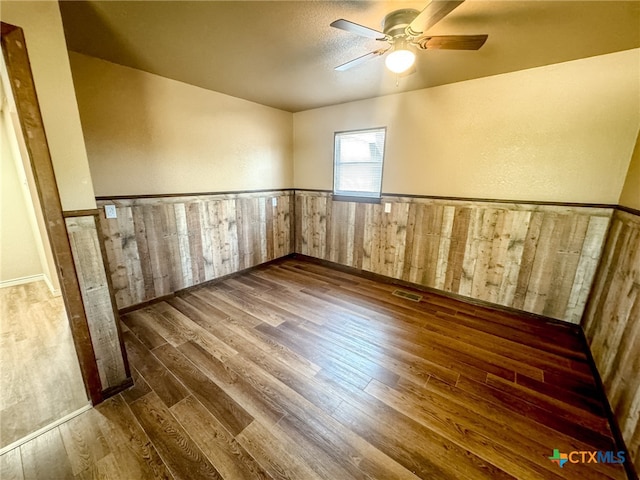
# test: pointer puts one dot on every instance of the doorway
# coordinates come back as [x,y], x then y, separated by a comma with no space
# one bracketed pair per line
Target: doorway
[18,81]
[40,379]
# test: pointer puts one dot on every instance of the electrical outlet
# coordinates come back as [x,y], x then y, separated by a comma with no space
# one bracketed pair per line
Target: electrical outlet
[110,211]
[387,208]
[274,201]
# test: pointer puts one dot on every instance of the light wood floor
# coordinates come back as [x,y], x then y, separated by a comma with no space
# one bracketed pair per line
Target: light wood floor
[40,379]
[296,371]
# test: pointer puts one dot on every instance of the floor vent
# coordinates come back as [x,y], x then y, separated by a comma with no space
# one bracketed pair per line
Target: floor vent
[408,295]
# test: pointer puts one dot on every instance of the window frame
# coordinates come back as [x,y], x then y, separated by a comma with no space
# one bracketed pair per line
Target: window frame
[358,198]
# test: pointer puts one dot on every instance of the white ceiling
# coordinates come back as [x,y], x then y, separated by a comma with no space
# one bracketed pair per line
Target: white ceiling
[282,53]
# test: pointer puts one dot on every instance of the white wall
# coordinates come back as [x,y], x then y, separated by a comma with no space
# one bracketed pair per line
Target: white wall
[42,26]
[146,134]
[15,149]
[19,256]
[562,133]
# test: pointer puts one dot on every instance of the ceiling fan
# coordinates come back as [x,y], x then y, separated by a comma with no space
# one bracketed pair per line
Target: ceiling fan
[404,31]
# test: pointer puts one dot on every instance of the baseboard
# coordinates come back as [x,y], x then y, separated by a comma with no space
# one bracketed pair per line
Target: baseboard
[422,288]
[111,391]
[56,292]
[23,280]
[213,281]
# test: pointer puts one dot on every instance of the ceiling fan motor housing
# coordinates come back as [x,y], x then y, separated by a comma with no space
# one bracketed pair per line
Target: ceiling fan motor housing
[396,22]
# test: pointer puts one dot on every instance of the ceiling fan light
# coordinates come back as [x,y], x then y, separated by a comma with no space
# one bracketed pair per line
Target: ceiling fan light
[400,60]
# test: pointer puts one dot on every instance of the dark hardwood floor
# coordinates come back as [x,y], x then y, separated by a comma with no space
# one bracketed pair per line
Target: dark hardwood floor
[297,371]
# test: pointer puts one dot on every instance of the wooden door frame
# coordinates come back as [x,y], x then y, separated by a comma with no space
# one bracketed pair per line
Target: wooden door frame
[22,85]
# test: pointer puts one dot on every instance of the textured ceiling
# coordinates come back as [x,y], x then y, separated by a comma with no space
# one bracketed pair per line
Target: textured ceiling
[282,54]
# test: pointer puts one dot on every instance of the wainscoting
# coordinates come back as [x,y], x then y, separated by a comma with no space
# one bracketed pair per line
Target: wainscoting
[612,325]
[98,305]
[159,245]
[537,258]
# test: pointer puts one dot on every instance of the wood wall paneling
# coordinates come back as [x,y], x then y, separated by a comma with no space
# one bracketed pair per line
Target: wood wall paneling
[536,258]
[612,325]
[159,245]
[96,296]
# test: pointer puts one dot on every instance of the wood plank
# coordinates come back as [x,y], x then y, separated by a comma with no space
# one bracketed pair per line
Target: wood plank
[45,457]
[539,415]
[458,426]
[40,381]
[229,457]
[126,227]
[195,242]
[247,339]
[184,252]
[183,457]
[143,257]
[358,235]
[11,465]
[258,406]
[136,456]
[519,432]
[117,267]
[139,389]
[416,448]
[141,323]
[234,417]
[101,316]
[84,442]
[163,382]
[274,456]
[513,261]
[586,269]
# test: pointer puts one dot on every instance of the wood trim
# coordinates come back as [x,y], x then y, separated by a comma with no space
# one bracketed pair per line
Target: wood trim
[358,199]
[630,210]
[22,84]
[111,391]
[317,190]
[471,301]
[347,198]
[470,199]
[90,212]
[496,200]
[196,194]
[153,301]
[613,423]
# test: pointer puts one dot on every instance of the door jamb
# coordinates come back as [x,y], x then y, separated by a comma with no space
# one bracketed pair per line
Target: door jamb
[22,85]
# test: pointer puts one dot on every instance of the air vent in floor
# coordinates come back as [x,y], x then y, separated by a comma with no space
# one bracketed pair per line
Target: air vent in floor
[408,295]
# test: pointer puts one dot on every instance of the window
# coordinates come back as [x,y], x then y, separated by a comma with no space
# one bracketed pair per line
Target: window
[358,158]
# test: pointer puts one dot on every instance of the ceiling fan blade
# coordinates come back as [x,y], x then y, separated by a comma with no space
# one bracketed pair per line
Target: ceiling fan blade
[435,11]
[361,30]
[451,42]
[359,60]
